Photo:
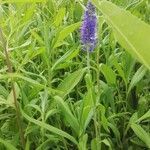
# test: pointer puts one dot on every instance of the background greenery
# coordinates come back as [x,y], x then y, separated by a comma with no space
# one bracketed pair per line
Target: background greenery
[61,104]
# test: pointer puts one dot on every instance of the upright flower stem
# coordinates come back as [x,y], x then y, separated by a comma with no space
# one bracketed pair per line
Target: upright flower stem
[89,41]
[88,61]
[95,112]
[10,70]
[98,86]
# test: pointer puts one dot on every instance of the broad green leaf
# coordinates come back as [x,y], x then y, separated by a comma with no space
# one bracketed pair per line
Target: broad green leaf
[7,145]
[70,82]
[131,32]
[68,114]
[137,77]
[65,32]
[49,127]
[141,133]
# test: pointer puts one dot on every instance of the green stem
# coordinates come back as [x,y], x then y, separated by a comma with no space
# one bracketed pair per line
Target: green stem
[98,86]
[98,93]
[10,70]
[95,113]
[88,61]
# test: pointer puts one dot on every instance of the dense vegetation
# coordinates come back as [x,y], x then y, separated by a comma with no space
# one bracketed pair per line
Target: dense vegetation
[54,95]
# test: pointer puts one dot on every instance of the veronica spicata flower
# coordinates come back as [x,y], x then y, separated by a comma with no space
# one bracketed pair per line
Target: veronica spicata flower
[89,28]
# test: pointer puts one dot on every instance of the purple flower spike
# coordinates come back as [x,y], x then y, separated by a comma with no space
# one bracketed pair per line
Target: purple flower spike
[89,28]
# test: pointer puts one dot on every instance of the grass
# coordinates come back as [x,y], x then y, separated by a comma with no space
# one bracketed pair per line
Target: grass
[51,97]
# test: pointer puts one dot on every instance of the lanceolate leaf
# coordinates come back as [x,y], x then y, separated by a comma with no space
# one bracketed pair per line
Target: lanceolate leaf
[131,32]
[65,32]
[137,77]
[70,82]
[59,17]
[145,116]
[67,113]
[49,127]
[141,133]
[7,145]
[108,74]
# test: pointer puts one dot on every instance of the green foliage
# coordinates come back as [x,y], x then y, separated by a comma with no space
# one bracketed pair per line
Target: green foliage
[139,131]
[130,32]
[66,101]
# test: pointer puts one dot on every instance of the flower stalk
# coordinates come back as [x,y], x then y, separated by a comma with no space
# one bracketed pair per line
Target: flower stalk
[89,42]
